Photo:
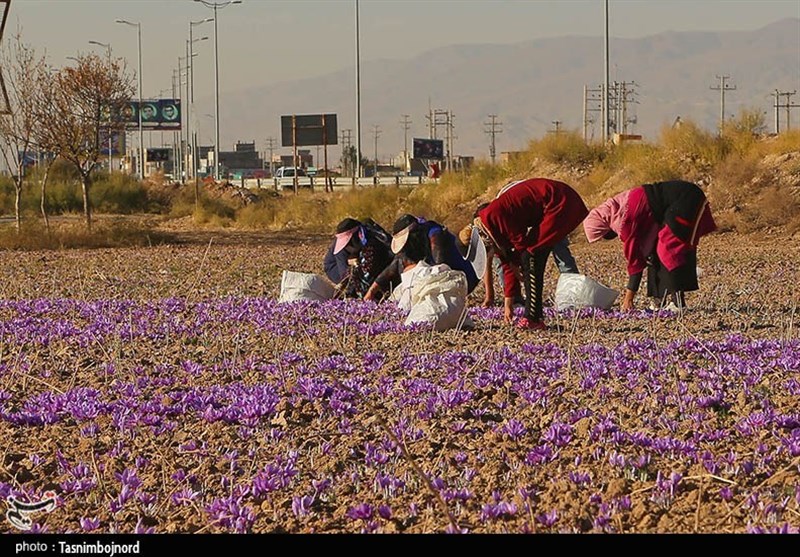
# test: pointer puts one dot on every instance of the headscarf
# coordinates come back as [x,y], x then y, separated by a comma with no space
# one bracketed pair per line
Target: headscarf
[606,217]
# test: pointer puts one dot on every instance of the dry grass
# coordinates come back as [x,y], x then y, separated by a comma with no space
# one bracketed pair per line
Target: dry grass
[71,232]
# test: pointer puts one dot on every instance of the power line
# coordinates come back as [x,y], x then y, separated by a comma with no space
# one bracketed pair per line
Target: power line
[406,123]
[376,131]
[722,88]
[494,127]
[271,144]
[787,105]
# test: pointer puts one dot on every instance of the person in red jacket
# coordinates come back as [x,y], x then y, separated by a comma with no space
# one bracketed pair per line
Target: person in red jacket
[522,224]
[660,226]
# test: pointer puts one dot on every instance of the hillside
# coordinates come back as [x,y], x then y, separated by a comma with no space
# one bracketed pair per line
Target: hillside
[531,84]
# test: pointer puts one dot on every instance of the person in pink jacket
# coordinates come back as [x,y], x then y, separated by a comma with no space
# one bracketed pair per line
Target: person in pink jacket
[660,226]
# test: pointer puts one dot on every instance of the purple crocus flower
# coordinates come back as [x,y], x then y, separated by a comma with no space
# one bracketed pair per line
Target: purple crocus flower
[362,511]
[90,524]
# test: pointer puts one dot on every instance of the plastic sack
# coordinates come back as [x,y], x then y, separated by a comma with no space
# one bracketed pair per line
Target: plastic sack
[579,291]
[476,254]
[304,286]
[402,292]
[439,299]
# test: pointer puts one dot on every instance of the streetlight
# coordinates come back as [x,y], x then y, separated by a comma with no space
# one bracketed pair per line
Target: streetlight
[107,46]
[139,108]
[190,54]
[190,113]
[216,6]
[358,98]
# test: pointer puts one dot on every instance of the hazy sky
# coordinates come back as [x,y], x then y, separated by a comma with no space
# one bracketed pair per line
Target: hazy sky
[268,41]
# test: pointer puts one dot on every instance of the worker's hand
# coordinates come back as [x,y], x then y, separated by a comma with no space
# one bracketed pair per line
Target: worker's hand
[508,310]
[488,302]
[627,300]
[373,294]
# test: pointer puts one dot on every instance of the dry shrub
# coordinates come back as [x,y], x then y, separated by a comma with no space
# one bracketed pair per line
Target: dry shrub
[733,181]
[567,148]
[381,203]
[69,235]
[257,216]
[774,208]
[691,148]
[786,142]
[206,211]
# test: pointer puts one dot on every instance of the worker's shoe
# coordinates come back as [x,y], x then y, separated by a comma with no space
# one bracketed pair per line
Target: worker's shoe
[530,324]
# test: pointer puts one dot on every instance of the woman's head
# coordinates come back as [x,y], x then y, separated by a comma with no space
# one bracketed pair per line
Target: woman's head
[604,221]
[402,231]
[347,237]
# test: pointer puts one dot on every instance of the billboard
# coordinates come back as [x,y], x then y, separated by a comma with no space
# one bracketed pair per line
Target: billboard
[157,115]
[158,154]
[117,143]
[428,148]
[309,130]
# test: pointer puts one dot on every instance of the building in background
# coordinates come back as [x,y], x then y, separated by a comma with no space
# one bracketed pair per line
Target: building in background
[243,162]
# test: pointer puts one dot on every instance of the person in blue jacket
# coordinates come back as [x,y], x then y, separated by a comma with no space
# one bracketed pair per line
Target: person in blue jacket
[415,239]
[367,245]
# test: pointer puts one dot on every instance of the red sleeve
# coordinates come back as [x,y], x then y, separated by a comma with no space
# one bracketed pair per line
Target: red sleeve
[632,248]
[511,285]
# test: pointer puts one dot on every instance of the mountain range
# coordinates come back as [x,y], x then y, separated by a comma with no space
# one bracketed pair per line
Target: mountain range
[530,86]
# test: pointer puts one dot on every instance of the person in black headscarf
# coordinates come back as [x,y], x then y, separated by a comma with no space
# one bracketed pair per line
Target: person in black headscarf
[415,239]
[367,245]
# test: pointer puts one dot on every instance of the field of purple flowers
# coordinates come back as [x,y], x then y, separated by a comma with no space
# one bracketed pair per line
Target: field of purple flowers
[165,390]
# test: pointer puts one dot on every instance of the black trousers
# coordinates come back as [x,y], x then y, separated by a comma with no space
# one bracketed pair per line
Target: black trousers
[533,267]
[669,286]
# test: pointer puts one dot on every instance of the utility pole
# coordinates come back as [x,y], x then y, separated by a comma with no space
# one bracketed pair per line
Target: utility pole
[450,138]
[605,77]
[271,148]
[175,152]
[376,132]
[493,129]
[595,97]
[406,123]
[347,141]
[722,88]
[357,170]
[789,105]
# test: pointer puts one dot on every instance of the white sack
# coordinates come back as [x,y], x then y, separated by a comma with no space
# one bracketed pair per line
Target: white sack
[579,291]
[402,292]
[439,299]
[304,286]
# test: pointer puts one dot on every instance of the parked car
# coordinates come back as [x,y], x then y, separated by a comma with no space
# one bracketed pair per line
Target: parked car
[289,172]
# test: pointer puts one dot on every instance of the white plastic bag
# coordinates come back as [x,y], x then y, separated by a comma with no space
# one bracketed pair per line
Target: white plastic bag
[402,293]
[304,286]
[439,299]
[579,291]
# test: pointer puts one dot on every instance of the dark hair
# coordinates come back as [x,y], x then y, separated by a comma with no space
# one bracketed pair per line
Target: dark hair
[403,222]
[417,247]
[346,225]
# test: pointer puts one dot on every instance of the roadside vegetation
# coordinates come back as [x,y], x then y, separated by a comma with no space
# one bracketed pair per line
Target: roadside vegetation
[752,179]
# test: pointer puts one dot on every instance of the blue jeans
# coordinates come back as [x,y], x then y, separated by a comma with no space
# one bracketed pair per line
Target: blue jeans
[563,257]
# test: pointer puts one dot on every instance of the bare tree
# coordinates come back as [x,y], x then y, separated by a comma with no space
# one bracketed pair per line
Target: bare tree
[18,130]
[83,101]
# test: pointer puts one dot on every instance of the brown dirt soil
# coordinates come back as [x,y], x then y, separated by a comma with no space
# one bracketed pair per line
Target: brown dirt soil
[161,388]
